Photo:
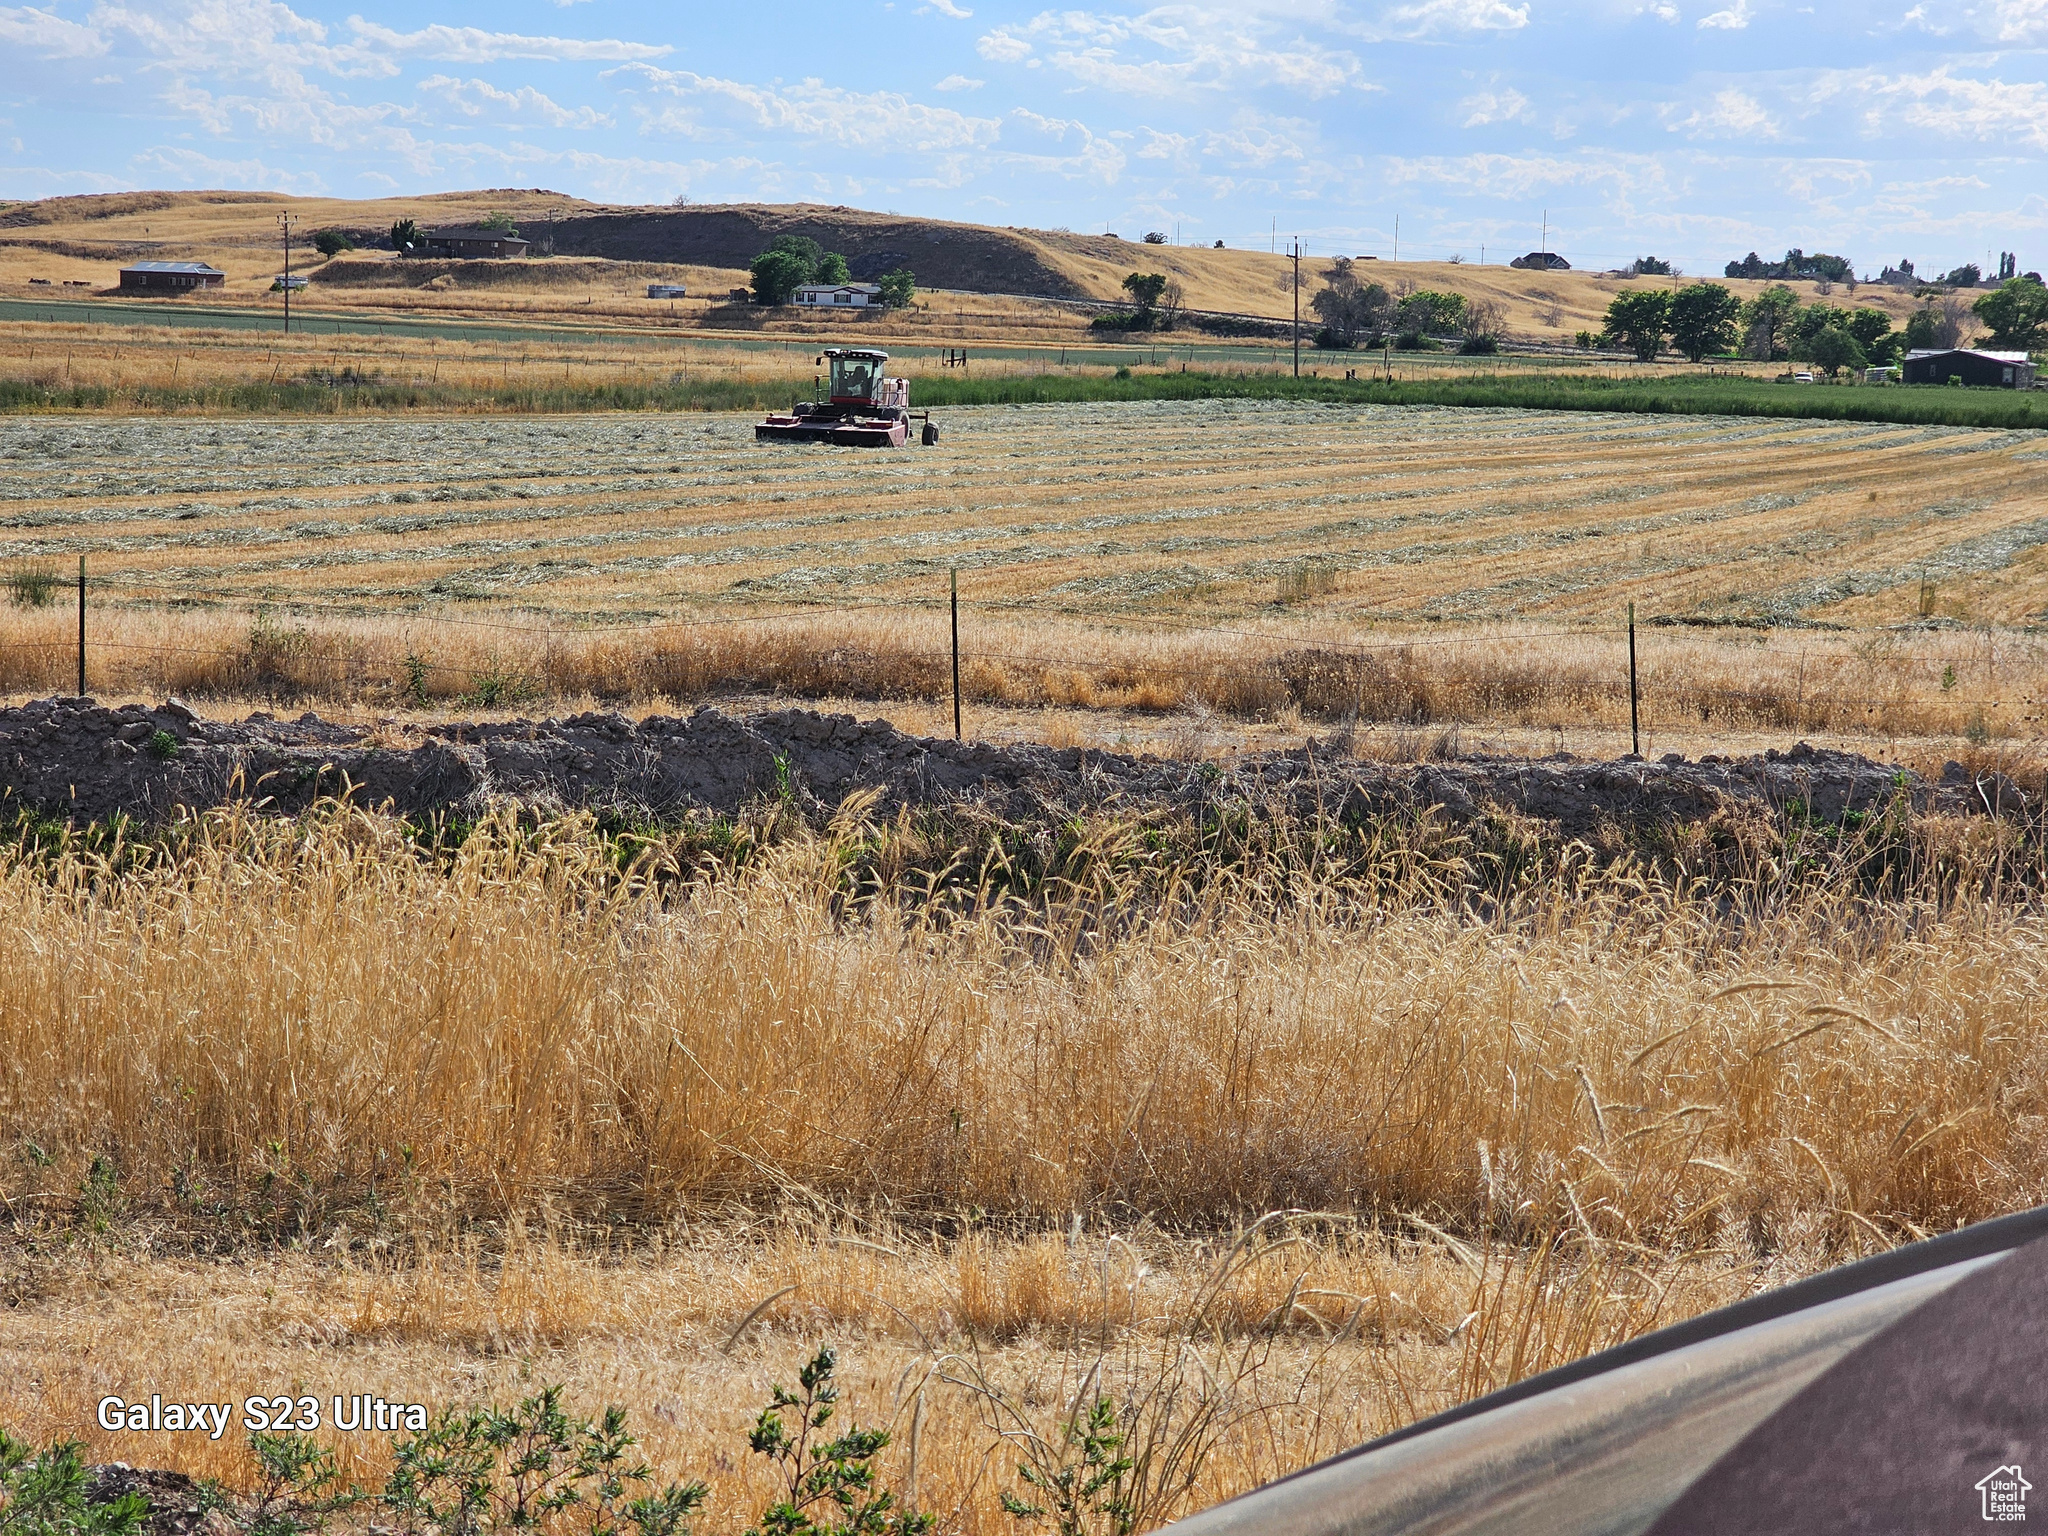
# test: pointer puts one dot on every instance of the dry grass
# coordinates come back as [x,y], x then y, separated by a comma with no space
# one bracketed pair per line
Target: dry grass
[586,1128]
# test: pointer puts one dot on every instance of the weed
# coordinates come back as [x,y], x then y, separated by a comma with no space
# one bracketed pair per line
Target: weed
[299,1485]
[43,1493]
[162,745]
[33,587]
[416,669]
[829,1486]
[531,1468]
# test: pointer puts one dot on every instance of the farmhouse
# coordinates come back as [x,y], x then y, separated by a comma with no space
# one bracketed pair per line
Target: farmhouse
[859,295]
[170,277]
[473,242]
[667,291]
[1541,261]
[1995,370]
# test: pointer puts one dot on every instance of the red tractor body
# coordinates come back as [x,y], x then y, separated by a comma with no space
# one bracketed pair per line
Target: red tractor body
[863,409]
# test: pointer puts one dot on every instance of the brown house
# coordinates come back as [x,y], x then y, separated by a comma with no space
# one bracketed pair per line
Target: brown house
[472,243]
[170,277]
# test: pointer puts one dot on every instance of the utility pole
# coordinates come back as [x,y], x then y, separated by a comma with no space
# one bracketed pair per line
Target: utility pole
[285,221]
[1397,237]
[1546,238]
[552,212]
[1274,240]
[1297,306]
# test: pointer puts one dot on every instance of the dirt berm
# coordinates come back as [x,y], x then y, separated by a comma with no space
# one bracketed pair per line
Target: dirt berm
[75,759]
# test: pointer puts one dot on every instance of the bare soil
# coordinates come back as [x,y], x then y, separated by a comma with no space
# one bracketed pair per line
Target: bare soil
[73,758]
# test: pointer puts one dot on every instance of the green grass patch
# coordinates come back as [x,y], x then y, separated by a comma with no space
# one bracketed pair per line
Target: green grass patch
[1564,390]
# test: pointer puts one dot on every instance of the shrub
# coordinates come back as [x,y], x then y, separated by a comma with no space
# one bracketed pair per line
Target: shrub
[834,1477]
[1155,237]
[332,242]
[43,1493]
[485,1469]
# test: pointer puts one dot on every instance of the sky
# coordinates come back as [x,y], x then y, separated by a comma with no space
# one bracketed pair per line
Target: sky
[1692,130]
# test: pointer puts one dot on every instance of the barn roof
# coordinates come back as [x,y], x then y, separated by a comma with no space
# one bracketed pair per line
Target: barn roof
[189,268]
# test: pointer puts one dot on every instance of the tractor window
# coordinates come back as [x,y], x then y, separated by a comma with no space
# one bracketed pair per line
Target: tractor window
[853,377]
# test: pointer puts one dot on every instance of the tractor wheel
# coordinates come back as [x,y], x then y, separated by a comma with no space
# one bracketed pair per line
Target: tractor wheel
[931,433]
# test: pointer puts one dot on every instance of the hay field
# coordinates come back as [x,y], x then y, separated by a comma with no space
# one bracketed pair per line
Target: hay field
[1852,580]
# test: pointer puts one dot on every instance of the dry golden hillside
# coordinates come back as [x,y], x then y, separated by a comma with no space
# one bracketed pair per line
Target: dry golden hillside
[82,240]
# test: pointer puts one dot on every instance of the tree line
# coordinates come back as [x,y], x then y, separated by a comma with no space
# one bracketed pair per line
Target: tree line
[1705,319]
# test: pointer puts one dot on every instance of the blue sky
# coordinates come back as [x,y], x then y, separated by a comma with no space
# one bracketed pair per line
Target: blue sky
[1691,129]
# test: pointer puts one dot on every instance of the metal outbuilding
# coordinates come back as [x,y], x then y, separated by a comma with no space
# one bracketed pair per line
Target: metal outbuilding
[170,277]
[1990,370]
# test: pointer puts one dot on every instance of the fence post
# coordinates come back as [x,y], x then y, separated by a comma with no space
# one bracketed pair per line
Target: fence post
[956,653]
[1635,730]
[81,626]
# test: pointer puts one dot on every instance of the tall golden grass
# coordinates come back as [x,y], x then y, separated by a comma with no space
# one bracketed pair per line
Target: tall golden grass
[320,1017]
[543,1105]
[1693,685]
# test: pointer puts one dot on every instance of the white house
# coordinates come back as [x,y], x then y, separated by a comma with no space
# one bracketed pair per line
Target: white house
[857,295]
[667,291]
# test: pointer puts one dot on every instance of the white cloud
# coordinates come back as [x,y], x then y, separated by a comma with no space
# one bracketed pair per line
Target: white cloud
[2021,21]
[189,168]
[1665,12]
[944,8]
[1175,50]
[1507,106]
[474,98]
[50,37]
[1734,19]
[1731,114]
[1436,16]
[959,83]
[1003,47]
[1955,106]
[473,45]
[812,110]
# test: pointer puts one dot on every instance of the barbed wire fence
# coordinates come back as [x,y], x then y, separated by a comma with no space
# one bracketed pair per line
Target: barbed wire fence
[1312,671]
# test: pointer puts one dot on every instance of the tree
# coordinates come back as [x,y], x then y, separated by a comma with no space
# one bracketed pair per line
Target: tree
[1639,321]
[1173,298]
[1144,289]
[1832,349]
[501,223]
[1968,275]
[332,242]
[2017,313]
[791,261]
[1768,320]
[777,275]
[1351,311]
[898,288]
[1808,324]
[404,236]
[1650,266]
[1703,317]
[1873,331]
[1154,237]
[1485,326]
[1923,329]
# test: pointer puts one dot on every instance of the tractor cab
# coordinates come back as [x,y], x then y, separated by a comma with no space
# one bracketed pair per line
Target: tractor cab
[862,407]
[856,376]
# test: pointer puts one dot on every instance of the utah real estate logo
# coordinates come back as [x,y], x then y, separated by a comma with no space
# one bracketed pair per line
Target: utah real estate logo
[2005,1494]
